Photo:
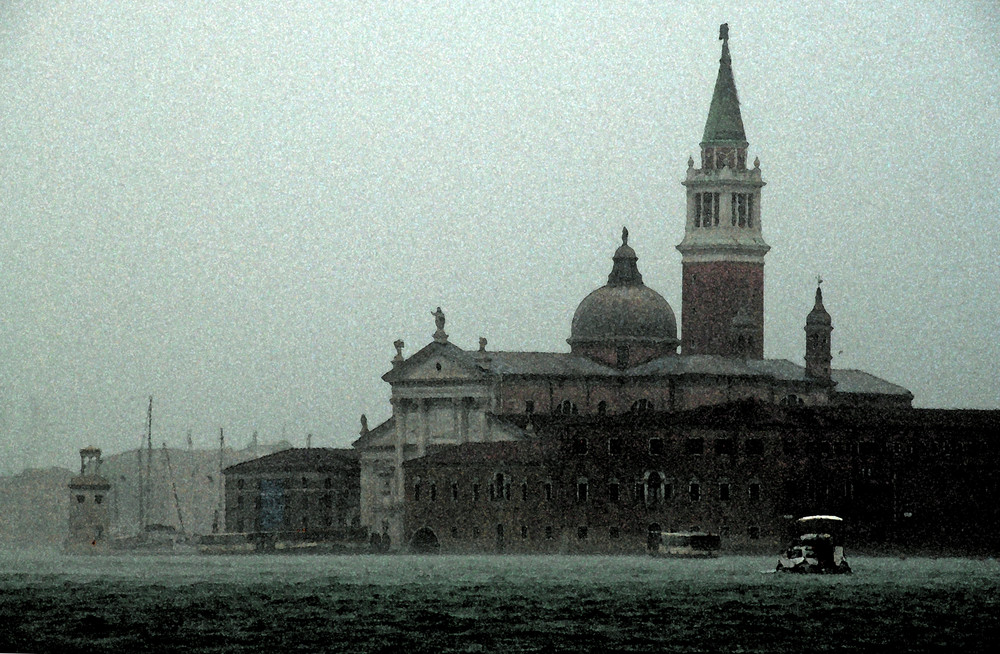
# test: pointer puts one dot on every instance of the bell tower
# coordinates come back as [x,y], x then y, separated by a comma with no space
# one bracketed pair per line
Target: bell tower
[722,254]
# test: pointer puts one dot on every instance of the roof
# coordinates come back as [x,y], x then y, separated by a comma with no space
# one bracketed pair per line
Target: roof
[95,482]
[527,451]
[860,382]
[312,459]
[725,123]
[371,435]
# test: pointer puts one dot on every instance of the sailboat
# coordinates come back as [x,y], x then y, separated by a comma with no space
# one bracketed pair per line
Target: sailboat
[154,538]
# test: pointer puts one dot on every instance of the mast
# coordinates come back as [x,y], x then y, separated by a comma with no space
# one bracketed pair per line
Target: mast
[220,501]
[142,490]
[173,484]
[147,482]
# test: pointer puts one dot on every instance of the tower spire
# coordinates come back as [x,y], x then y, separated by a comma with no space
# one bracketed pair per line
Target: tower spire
[725,123]
[723,250]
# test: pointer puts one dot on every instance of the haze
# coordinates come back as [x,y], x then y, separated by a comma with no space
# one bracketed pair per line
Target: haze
[237,207]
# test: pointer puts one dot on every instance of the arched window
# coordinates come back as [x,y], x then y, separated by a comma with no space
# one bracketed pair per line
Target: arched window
[653,488]
[642,405]
[416,489]
[567,407]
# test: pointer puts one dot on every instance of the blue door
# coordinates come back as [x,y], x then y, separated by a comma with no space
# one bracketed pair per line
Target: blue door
[272,504]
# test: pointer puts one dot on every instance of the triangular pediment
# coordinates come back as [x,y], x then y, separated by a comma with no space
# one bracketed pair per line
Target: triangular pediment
[436,363]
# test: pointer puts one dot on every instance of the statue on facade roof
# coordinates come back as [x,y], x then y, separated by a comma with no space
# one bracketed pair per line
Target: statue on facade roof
[440,336]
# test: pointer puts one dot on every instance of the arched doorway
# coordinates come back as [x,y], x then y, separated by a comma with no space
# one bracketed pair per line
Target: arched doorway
[653,537]
[425,541]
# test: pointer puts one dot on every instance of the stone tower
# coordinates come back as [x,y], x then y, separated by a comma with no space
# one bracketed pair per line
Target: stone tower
[88,506]
[818,328]
[722,254]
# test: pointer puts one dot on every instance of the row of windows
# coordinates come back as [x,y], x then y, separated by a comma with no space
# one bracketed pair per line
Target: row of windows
[569,407]
[325,501]
[327,483]
[582,532]
[706,209]
[98,499]
[657,446]
[654,488]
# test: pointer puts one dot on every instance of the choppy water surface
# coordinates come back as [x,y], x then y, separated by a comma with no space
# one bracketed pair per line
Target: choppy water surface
[55,603]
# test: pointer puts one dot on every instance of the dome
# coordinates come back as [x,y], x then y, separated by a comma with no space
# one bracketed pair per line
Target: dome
[624,312]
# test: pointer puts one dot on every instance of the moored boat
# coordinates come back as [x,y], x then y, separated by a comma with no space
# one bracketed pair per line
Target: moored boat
[687,544]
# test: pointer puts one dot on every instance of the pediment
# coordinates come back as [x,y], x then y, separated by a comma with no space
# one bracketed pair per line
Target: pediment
[437,362]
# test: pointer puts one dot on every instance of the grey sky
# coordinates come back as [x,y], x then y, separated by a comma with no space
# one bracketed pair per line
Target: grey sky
[236,207]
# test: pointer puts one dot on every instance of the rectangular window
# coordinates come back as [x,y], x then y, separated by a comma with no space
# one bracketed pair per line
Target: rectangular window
[434,491]
[454,491]
[529,406]
[788,446]
[613,492]
[694,446]
[475,492]
[750,211]
[614,533]
[724,491]
[615,446]
[725,446]
[694,491]
[454,532]
[754,447]
[656,446]
[524,532]
[581,492]
[524,492]
[547,490]
[548,533]
[754,491]
[753,532]
[581,532]
[668,490]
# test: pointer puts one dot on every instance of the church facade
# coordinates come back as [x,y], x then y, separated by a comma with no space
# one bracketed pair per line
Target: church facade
[629,384]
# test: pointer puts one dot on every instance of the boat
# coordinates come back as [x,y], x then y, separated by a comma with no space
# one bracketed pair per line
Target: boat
[687,544]
[817,549]
[153,538]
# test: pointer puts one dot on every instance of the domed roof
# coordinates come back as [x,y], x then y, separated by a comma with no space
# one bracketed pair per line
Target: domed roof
[818,315]
[624,309]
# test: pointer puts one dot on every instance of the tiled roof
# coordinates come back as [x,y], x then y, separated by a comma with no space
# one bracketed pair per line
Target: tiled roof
[314,459]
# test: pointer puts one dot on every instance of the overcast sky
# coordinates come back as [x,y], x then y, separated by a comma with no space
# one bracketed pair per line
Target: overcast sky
[236,207]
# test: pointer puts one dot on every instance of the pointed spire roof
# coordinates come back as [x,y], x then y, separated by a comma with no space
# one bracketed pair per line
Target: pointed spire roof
[725,124]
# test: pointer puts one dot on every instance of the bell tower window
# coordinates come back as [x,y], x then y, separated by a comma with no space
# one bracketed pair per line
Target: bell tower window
[742,210]
[706,209]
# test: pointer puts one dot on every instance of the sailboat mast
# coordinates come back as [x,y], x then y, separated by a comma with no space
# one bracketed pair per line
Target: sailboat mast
[142,490]
[149,455]
[173,484]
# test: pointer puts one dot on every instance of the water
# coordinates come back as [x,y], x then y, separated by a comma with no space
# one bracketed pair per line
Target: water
[55,603]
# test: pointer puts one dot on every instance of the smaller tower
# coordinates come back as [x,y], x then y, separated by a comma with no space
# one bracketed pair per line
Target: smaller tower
[88,509]
[818,328]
